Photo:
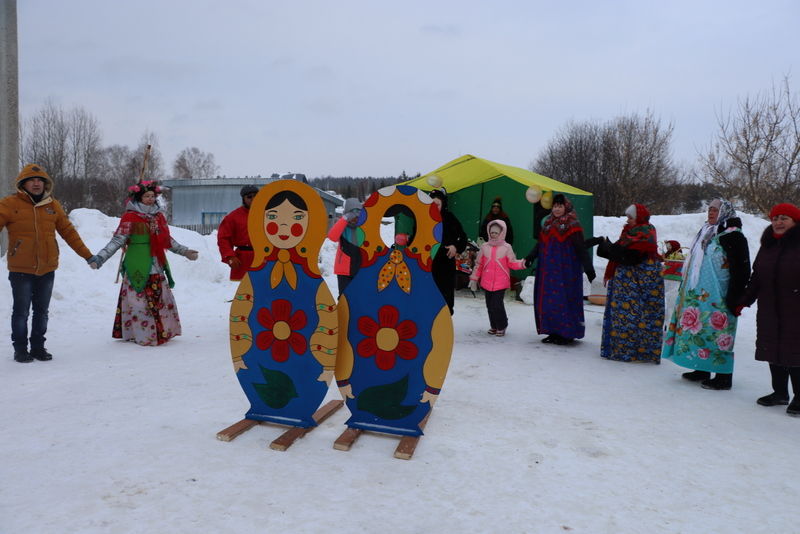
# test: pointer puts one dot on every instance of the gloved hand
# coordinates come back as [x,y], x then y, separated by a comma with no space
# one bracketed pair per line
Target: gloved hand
[592,241]
[591,275]
[95,262]
[473,285]
[738,311]
[234,262]
[529,260]
[191,254]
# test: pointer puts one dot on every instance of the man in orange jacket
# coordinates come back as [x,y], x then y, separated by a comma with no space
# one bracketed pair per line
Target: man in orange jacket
[233,240]
[33,217]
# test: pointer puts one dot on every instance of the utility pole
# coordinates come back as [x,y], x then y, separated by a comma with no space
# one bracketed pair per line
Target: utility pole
[9,103]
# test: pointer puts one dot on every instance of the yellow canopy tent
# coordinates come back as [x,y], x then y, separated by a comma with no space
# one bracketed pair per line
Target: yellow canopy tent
[472,183]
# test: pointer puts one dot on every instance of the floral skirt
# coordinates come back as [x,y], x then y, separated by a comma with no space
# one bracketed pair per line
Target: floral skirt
[149,317]
[634,316]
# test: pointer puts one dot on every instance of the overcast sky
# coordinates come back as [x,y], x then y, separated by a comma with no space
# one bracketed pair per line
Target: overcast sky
[362,88]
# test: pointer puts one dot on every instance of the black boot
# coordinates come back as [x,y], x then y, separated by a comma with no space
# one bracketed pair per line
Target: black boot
[696,376]
[774,399]
[719,382]
[41,354]
[549,339]
[561,340]
[794,408]
[22,356]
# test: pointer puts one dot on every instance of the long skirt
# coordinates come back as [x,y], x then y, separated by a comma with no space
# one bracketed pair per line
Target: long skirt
[149,317]
[558,291]
[702,330]
[634,316]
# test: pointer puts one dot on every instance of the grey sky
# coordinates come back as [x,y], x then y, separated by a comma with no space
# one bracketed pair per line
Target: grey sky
[374,88]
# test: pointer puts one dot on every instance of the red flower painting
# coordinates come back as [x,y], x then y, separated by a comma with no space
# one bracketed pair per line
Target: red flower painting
[387,338]
[281,332]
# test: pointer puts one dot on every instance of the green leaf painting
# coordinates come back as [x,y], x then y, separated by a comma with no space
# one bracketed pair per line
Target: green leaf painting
[278,390]
[385,400]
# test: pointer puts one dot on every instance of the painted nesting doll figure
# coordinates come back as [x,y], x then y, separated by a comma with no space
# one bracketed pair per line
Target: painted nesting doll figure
[283,323]
[396,334]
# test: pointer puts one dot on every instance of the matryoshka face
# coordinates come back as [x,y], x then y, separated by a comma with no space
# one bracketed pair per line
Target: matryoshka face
[285,225]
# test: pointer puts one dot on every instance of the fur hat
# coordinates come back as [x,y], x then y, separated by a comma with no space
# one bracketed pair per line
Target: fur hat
[790,210]
[248,190]
[32,170]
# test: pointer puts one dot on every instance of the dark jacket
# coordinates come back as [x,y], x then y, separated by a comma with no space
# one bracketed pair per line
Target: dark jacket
[737,254]
[775,283]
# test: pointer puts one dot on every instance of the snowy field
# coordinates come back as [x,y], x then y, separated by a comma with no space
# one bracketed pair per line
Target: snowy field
[111,437]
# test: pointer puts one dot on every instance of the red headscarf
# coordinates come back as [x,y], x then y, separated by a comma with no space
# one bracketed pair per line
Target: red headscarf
[639,235]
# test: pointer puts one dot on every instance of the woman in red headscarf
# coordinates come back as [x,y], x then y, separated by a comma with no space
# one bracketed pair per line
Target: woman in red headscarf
[634,313]
[775,283]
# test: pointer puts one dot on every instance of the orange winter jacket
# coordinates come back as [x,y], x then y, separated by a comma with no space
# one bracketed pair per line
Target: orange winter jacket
[32,246]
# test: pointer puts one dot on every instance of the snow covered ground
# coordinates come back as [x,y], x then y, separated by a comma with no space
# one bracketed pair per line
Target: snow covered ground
[111,437]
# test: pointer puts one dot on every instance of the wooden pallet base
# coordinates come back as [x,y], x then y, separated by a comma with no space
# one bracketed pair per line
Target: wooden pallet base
[405,449]
[285,440]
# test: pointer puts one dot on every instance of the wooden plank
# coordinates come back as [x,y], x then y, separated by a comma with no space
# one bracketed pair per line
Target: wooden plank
[285,440]
[235,429]
[346,439]
[408,444]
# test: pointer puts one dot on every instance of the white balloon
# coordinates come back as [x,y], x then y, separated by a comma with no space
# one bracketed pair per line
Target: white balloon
[533,194]
[434,181]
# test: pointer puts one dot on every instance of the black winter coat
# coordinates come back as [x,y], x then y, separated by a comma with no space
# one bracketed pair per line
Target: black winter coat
[737,254]
[775,283]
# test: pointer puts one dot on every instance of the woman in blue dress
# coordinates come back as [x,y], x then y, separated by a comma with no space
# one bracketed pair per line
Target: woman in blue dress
[558,289]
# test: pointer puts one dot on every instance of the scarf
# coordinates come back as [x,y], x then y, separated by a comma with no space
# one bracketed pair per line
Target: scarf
[561,227]
[142,219]
[639,235]
[704,236]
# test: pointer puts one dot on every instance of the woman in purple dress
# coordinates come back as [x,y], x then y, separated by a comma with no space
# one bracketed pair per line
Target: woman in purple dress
[558,290]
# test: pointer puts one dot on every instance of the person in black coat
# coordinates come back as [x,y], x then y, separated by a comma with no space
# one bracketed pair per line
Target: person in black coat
[454,241]
[775,283]
[496,212]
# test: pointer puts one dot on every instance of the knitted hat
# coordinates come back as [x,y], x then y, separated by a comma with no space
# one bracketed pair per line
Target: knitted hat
[32,170]
[351,204]
[790,210]
[498,201]
[248,190]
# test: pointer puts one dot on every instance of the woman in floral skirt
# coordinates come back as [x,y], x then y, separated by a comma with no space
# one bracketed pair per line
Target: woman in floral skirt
[634,313]
[702,330]
[146,311]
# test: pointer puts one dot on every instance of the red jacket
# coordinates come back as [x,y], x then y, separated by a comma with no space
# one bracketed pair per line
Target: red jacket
[231,237]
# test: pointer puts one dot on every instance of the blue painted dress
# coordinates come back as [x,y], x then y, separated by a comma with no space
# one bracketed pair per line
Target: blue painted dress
[702,330]
[396,330]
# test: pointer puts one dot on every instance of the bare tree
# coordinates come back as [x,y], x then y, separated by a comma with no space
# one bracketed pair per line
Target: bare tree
[44,140]
[622,161]
[756,154]
[193,163]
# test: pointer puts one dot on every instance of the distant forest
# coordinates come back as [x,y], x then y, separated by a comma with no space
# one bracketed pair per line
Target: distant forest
[357,187]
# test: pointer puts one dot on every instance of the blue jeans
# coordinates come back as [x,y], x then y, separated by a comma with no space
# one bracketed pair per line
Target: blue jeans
[30,290]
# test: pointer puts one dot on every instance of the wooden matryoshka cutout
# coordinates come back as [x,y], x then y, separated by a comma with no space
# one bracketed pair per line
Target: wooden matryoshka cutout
[283,323]
[396,333]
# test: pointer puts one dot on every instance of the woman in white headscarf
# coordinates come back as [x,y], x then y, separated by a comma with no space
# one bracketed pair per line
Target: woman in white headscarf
[702,331]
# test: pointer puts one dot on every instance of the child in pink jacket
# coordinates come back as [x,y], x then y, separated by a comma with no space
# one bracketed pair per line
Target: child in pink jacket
[493,268]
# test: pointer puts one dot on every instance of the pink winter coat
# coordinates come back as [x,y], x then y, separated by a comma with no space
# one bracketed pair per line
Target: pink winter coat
[495,262]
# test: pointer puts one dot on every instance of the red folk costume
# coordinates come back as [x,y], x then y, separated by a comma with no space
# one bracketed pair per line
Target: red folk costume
[233,241]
